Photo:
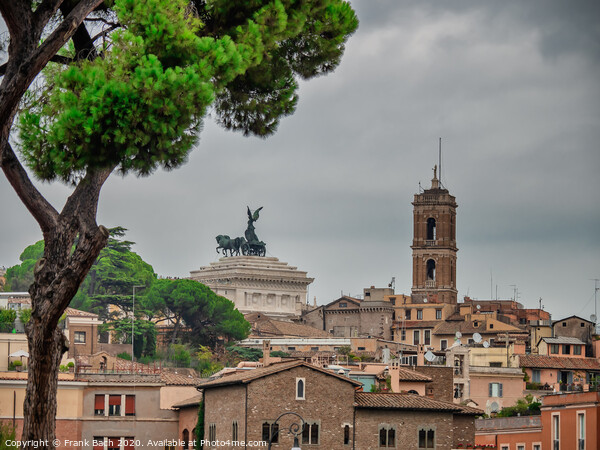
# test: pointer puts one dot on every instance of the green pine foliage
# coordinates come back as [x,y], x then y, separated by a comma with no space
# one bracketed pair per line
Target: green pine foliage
[20,277]
[200,426]
[139,106]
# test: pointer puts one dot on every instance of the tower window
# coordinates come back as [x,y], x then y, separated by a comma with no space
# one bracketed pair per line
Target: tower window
[430,269]
[431,229]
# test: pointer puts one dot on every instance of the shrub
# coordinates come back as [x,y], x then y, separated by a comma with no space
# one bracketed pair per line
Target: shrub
[70,364]
[124,355]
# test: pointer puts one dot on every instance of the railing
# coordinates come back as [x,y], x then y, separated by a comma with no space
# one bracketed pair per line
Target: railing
[430,242]
[430,283]
[571,387]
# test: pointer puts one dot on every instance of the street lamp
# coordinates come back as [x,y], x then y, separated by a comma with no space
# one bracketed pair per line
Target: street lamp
[133,321]
[294,429]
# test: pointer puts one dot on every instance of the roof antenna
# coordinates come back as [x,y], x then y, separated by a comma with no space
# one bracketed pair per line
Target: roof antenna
[440,162]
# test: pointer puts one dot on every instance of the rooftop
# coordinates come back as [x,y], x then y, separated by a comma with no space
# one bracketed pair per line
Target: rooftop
[558,362]
[408,402]
[247,376]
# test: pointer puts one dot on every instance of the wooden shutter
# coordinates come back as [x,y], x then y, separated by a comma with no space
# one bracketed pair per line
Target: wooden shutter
[99,402]
[490,389]
[500,389]
[114,399]
[129,441]
[130,405]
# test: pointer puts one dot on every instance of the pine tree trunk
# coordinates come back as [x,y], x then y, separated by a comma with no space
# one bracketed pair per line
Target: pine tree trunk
[57,276]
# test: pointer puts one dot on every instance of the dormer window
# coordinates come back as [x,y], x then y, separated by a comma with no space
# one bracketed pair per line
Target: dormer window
[300,389]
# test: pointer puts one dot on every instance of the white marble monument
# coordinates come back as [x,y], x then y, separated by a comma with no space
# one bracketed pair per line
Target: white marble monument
[257,284]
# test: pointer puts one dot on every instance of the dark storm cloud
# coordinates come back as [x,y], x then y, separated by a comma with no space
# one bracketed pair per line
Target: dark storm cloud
[511,87]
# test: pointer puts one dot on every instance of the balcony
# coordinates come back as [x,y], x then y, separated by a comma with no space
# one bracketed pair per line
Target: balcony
[430,283]
[430,242]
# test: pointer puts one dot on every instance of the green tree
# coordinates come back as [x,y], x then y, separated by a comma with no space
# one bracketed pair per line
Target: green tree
[200,426]
[132,100]
[112,277]
[199,316]
[20,277]
[7,436]
[144,332]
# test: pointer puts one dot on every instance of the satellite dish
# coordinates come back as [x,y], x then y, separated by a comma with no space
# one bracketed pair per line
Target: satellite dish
[458,335]
[486,344]
[429,356]
[593,317]
[424,300]
[478,306]
[477,338]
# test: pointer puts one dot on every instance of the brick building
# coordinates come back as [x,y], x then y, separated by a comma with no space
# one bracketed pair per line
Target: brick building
[567,422]
[336,414]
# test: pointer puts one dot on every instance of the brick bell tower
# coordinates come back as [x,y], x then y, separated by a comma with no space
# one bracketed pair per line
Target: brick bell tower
[434,245]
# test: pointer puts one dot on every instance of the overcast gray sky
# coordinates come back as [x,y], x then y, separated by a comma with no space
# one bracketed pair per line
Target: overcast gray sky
[513,90]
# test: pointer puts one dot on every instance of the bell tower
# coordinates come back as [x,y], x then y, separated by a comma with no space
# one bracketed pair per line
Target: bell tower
[434,245]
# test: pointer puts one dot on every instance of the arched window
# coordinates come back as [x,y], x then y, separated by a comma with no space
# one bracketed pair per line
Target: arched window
[431,229]
[299,388]
[430,269]
[186,439]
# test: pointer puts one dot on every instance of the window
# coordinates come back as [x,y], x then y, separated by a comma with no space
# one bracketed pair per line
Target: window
[495,364]
[491,326]
[314,349]
[79,337]
[291,348]
[582,324]
[212,432]
[520,446]
[430,269]
[343,305]
[130,405]
[536,375]
[566,349]
[444,344]
[300,388]
[407,314]
[270,430]
[577,349]
[505,447]
[537,446]
[419,314]
[554,349]
[416,337]
[495,390]
[427,337]
[426,438]
[310,433]
[234,431]
[387,436]
[114,405]
[113,443]
[403,335]
[185,437]
[580,431]
[99,405]
[438,314]
[564,324]
[556,432]
[346,434]
[431,229]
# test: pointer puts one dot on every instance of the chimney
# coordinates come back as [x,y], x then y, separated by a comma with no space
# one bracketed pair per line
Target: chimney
[394,371]
[421,355]
[266,352]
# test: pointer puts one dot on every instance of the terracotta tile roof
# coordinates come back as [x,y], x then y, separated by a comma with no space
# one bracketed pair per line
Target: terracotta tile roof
[412,375]
[557,362]
[420,323]
[194,401]
[466,327]
[175,379]
[410,402]
[264,326]
[70,311]
[246,376]
[562,340]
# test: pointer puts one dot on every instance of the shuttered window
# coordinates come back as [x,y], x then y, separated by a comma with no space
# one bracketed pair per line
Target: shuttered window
[130,405]
[99,405]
